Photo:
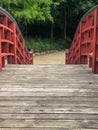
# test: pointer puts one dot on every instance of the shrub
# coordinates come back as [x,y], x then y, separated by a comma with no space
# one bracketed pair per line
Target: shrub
[41,45]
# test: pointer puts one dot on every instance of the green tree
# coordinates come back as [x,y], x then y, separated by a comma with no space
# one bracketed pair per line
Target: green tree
[64,14]
[28,10]
[75,9]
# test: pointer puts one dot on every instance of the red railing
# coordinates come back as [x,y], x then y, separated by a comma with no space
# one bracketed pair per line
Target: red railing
[12,46]
[84,48]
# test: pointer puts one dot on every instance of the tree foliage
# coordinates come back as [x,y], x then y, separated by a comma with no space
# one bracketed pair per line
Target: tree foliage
[63,14]
[27,11]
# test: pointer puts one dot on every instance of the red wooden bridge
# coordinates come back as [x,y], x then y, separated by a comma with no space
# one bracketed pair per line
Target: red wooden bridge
[12,46]
[49,97]
[84,49]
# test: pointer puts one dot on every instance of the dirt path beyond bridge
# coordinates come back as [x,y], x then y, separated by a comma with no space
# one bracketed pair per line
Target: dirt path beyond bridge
[52,58]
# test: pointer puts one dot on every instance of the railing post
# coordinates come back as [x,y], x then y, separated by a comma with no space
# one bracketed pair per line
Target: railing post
[23,52]
[94,63]
[0,52]
[80,27]
[14,40]
[66,56]
[31,58]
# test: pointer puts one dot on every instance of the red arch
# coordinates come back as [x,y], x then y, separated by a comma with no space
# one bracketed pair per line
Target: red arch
[12,46]
[84,48]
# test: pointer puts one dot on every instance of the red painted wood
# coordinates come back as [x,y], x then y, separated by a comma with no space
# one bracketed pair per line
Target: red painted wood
[0,52]
[12,46]
[84,48]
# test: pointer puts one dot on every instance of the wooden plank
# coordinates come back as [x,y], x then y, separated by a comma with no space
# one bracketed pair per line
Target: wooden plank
[52,77]
[51,116]
[39,103]
[46,90]
[46,109]
[53,99]
[68,124]
[77,93]
[48,81]
[17,85]
[45,97]
[43,128]
[49,103]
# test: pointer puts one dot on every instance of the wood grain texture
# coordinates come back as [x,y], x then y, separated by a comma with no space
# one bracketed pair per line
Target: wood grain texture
[48,97]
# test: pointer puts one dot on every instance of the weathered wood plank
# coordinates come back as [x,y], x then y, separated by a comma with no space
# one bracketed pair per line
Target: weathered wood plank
[68,124]
[76,93]
[46,90]
[48,109]
[48,97]
[49,103]
[51,116]
[53,99]
[17,85]
[42,128]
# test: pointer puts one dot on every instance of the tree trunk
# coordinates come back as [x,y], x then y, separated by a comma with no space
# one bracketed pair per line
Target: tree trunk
[26,31]
[64,25]
[64,36]
[52,31]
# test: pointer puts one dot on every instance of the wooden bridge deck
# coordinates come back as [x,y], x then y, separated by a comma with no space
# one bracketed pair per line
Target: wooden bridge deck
[48,97]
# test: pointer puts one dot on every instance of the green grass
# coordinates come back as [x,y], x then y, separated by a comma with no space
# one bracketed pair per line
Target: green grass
[44,45]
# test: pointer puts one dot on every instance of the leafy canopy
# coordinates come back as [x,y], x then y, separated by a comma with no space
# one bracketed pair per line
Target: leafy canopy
[28,11]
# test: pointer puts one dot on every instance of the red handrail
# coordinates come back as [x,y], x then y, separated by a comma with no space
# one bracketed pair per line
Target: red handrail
[12,46]
[84,48]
